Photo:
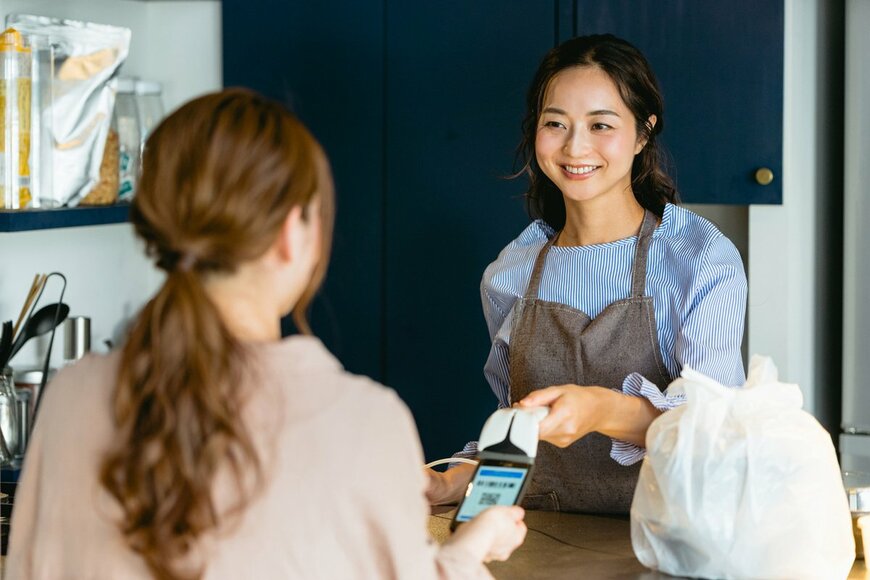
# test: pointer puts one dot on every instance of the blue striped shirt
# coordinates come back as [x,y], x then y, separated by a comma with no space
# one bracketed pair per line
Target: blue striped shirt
[694,275]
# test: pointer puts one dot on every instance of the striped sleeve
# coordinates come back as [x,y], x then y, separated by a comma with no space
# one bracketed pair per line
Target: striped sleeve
[636,385]
[496,368]
[709,339]
[711,334]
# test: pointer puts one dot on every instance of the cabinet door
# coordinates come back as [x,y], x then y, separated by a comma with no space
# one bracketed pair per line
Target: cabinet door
[326,60]
[720,66]
[457,73]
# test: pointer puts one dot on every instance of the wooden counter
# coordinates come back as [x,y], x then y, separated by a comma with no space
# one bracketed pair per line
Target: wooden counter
[573,546]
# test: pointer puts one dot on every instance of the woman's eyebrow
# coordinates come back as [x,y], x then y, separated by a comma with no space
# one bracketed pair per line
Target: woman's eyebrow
[602,112]
[596,113]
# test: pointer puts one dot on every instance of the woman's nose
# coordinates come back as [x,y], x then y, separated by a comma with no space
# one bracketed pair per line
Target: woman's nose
[576,143]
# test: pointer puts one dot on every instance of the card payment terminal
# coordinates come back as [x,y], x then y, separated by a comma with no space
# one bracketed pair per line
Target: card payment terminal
[506,453]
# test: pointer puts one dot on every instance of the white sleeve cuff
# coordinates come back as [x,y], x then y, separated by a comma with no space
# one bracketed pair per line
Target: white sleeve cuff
[636,385]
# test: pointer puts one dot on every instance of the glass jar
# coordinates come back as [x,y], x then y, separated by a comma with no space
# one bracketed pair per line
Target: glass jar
[8,417]
[857,484]
[30,379]
[149,100]
[126,122]
[15,99]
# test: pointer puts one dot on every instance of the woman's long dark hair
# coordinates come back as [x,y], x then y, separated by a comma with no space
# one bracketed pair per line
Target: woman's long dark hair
[219,177]
[637,86]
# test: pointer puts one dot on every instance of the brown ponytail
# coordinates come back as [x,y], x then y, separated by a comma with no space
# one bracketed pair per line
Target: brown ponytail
[219,177]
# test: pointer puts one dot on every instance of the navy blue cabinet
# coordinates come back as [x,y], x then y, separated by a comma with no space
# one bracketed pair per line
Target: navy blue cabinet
[325,59]
[419,106]
[720,66]
[456,79]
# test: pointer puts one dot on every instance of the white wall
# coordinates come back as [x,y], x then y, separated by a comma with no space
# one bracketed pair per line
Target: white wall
[176,43]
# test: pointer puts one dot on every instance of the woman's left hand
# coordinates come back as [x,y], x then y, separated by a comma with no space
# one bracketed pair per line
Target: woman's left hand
[574,412]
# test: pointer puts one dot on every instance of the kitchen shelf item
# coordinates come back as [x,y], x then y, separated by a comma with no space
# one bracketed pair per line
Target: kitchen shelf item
[8,417]
[149,104]
[15,117]
[22,397]
[32,295]
[43,320]
[6,335]
[30,379]
[126,122]
[57,321]
[76,338]
[69,217]
[857,484]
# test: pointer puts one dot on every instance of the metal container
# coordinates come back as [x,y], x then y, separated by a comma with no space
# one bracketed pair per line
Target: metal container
[8,412]
[25,418]
[76,337]
[30,379]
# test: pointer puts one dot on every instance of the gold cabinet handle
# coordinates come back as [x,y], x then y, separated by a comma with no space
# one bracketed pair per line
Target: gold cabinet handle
[764,176]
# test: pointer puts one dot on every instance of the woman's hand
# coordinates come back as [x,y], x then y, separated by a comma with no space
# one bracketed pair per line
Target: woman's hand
[448,486]
[574,412]
[493,534]
[577,411]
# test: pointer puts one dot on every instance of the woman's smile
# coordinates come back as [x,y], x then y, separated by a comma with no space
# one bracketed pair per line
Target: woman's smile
[587,138]
[578,172]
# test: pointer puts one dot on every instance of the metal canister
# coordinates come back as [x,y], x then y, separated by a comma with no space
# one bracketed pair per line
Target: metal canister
[77,337]
[30,379]
[8,411]
[24,419]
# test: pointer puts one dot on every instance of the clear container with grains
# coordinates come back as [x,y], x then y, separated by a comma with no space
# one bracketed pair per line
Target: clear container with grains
[15,113]
[857,484]
[126,122]
[149,100]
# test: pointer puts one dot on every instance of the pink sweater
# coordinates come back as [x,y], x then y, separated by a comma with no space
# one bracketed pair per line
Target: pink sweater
[344,493]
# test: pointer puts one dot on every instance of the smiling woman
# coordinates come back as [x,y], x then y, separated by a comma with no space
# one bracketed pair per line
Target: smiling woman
[612,290]
[586,143]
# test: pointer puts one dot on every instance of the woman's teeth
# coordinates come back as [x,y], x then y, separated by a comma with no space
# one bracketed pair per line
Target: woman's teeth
[580,170]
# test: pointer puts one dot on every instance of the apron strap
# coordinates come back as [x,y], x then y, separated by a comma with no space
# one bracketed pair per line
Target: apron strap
[638,269]
[638,272]
[538,270]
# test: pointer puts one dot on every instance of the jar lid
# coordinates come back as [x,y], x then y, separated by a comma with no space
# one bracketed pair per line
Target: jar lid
[126,85]
[859,499]
[28,377]
[148,88]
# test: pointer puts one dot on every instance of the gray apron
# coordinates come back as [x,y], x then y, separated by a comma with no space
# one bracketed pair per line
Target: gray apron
[554,344]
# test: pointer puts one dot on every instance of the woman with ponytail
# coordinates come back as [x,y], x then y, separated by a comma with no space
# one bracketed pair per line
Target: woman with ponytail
[599,303]
[209,447]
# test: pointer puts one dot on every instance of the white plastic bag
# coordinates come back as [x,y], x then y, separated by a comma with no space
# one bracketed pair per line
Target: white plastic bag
[741,483]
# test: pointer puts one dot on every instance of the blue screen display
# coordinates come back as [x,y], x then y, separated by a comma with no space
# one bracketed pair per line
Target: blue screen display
[492,485]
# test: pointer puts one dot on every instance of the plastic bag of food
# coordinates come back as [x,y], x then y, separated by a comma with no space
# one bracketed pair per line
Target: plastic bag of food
[741,483]
[77,117]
